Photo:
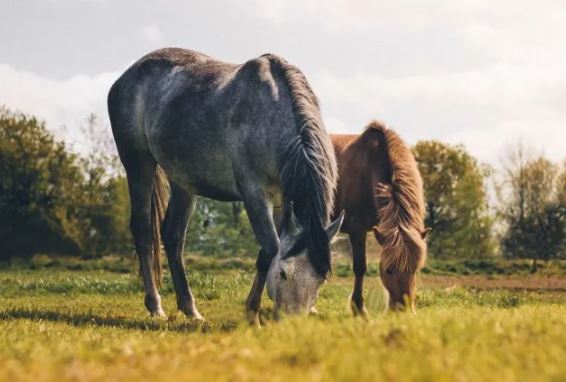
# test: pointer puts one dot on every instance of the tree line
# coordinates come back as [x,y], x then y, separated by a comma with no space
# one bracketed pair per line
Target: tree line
[54,200]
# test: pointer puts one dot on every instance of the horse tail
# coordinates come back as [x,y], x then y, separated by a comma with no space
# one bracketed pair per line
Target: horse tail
[159,202]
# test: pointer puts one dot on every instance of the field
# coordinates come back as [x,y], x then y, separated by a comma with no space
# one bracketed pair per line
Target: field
[71,321]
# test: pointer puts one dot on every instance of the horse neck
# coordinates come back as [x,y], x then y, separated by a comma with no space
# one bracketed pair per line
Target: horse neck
[360,171]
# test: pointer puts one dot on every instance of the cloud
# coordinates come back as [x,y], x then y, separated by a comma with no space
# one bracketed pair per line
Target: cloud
[67,1]
[484,109]
[62,104]
[339,14]
[484,73]
[406,14]
[152,34]
[478,72]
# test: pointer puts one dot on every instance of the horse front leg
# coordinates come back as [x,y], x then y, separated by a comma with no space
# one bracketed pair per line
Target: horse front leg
[261,218]
[253,302]
[358,242]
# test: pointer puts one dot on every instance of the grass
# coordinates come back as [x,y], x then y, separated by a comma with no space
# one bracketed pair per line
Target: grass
[90,324]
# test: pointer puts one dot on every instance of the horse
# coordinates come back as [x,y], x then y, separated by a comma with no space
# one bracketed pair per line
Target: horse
[248,132]
[380,189]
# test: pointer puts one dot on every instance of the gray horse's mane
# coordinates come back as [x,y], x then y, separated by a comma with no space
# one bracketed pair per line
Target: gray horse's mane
[308,167]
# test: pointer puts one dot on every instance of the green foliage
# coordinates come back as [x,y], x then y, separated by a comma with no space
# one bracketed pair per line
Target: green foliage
[490,267]
[104,216]
[39,181]
[561,187]
[53,201]
[219,228]
[534,209]
[103,198]
[455,198]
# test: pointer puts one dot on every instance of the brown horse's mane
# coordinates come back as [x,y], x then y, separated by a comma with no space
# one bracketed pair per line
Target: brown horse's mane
[400,206]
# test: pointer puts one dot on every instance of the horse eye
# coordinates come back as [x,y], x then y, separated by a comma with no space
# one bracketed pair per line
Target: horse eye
[389,271]
[283,275]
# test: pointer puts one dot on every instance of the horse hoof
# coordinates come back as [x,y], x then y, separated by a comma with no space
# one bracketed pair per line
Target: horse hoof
[313,312]
[195,315]
[192,312]
[253,318]
[358,311]
[158,314]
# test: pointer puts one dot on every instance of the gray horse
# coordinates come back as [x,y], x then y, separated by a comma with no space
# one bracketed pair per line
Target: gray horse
[250,133]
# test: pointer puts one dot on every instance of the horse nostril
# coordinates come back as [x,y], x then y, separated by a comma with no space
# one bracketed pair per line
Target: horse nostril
[282,274]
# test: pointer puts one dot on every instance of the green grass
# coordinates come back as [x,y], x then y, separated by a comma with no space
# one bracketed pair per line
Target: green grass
[62,324]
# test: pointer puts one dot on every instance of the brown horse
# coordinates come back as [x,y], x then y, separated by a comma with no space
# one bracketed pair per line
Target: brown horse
[380,188]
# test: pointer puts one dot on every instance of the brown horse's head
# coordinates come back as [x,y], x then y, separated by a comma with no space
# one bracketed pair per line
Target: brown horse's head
[398,270]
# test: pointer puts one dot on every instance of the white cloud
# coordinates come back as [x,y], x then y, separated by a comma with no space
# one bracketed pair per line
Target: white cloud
[508,83]
[62,104]
[336,125]
[407,14]
[484,109]
[84,1]
[152,34]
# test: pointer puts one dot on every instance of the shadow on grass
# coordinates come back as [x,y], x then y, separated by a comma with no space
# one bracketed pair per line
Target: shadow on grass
[182,325]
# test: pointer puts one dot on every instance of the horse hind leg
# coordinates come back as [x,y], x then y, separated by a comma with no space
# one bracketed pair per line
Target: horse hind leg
[181,207]
[124,111]
[140,184]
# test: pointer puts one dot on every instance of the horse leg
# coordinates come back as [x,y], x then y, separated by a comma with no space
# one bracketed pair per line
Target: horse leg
[181,207]
[358,242]
[261,219]
[253,302]
[140,184]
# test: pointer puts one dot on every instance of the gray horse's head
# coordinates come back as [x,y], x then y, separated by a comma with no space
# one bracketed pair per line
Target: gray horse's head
[293,281]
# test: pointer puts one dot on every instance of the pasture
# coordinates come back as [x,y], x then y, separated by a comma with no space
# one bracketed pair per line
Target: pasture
[85,320]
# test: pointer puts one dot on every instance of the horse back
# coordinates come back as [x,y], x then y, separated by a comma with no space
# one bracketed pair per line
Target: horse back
[208,123]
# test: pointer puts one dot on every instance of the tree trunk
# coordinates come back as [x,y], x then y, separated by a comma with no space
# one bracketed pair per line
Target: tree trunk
[535,266]
[236,210]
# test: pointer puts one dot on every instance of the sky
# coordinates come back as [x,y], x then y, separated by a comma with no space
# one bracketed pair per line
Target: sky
[485,74]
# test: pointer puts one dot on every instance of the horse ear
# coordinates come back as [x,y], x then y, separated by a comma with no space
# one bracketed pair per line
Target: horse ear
[334,227]
[378,236]
[425,233]
[293,226]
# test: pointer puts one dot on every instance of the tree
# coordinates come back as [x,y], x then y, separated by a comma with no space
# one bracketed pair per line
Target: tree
[55,201]
[39,180]
[219,228]
[456,203]
[103,200]
[561,202]
[532,205]
[561,187]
